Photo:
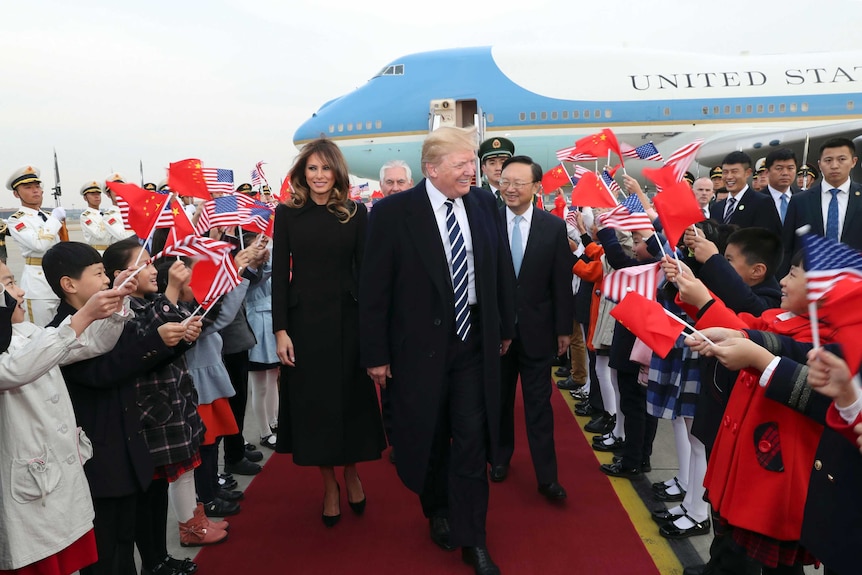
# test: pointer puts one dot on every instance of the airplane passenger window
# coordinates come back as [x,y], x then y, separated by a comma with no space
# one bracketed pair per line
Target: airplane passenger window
[490,118]
[851,104]
[553,115]
[544,115]
[667,111]
[804,107]
[716,110]
[771,108]
[727,109]
[586,113]
[522,116]
[738,109]
[358,125]
[340,127]
[368,125]
[760,108]
[331,128]
[748,109]
[378,124]
[792,107]
[565,114]
[782,107]
[576,114]
[705,110]
[532,115]
[597,114]
[608,113]
[349,127]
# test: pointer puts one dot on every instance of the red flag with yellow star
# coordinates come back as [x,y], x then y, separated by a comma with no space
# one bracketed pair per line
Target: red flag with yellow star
[554,178]
[176,219]
[599,144]
[186,178]
[144,206]
[591,191]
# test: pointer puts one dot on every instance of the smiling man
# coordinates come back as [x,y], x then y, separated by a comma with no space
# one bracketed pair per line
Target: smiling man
[436,311]
[743,206]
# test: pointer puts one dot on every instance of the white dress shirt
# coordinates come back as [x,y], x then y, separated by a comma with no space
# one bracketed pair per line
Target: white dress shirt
[737,197]
[438,205]
[843,199]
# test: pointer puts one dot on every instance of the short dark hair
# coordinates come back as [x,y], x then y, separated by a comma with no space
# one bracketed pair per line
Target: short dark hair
[163,266]
[67,259]
[526,160]
[780,155]
[838,143]
[737,157]
[717,232]
[116,257]
[759,246]
[798,259]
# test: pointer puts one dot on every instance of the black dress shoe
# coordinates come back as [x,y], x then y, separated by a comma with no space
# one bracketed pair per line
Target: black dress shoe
[616,445]
[617,470]
[439,527]
[243,467]
[671,531]
[569,384]
[602,424]
[665,516]
[563,371]
[181,565]
[585,409]
[253,455]
[553,491]
[229,495]
[480,559]
[220,508]
[498,473]
[332,520]
[226,481]
[668,497]
[646,467]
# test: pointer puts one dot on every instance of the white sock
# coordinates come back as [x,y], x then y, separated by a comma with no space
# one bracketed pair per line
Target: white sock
[264,394]
[181,495]
[603,371]
[698,509]
[683,453]
[620,427]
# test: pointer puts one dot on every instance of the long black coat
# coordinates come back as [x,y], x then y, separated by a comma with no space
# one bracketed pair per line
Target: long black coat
[328,410]
[407,313]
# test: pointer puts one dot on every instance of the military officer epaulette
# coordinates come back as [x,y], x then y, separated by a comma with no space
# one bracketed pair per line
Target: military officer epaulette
[87,212]
[17,215]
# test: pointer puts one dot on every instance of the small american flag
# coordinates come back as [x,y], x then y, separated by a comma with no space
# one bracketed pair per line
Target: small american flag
[223,211]
[258,217]
[641,279]
[218,180]
[211,281]
[572,155]
[123,206]
[258,178]
[647,151]
[828,262]
[579,171]
[629,215]
[571,219]
[198,247]
[682,158]
[610,182]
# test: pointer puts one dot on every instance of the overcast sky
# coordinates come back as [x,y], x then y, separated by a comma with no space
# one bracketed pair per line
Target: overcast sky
[109,84]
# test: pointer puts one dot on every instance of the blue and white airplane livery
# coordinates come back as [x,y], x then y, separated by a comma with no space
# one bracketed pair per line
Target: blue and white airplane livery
[546,99]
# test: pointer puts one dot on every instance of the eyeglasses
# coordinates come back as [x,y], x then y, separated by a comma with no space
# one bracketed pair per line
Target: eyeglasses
[516,185]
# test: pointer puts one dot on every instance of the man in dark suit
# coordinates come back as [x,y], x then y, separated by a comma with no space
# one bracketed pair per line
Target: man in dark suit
[743,206]
[835,215]
[542,264]
[436,312]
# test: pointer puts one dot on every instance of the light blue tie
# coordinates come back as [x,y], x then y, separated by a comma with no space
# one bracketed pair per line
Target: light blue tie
[459,272]
[832,216]
[783,209]
[517,245]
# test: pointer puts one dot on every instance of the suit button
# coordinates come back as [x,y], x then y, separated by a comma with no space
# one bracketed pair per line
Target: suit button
[70,460]
[727,421]
[55,398]
[735,427]
[818,465]
[63,428]
[437,321]
[830,477]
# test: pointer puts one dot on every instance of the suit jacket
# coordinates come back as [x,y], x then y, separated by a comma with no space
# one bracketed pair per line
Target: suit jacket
[497,197]
[543,295]
[755,210]
[406,312]
[807,209]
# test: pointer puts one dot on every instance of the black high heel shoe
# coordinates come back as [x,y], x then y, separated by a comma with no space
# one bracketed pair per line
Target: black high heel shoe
[358,507]
[332,520]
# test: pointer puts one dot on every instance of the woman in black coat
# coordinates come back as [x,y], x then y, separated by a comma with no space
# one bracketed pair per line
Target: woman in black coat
[328,410]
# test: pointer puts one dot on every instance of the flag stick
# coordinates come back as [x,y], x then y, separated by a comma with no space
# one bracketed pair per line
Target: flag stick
[815,328]
[609,157]
[676,318]
[136,272]
[664,253]
[188,319]
[241,240]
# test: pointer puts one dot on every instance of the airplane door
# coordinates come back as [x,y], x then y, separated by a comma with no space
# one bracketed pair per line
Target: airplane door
[455,113]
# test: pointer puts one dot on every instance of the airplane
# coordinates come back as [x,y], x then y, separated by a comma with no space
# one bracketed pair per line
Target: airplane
[546,99]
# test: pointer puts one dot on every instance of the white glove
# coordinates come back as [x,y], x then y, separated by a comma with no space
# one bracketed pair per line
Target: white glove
[59,213]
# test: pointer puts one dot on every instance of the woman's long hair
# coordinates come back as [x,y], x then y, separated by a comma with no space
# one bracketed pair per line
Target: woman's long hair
[338,203]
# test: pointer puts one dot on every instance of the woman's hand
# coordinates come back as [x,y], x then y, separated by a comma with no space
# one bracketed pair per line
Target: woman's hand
[715,335]
[284,348]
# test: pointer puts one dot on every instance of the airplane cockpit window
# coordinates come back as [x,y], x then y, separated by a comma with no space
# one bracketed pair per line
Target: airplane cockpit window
[392,70]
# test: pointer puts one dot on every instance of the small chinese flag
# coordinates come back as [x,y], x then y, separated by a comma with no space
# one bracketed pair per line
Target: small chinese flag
[554,178]
[648,321]
[591,191]
[599,144]
[187,179]
[677,209]
[144,206]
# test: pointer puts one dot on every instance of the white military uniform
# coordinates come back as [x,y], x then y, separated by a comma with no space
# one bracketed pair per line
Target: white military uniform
[34,236]
[102,229]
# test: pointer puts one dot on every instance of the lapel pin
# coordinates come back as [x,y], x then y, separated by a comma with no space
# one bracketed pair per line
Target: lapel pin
[741,208]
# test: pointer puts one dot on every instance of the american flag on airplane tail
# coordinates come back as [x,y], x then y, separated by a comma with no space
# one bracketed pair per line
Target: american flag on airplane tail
[826,263]
[682,158]
[629,215]
[641,279]
[647,151]
[224,211]
[198,247]
[218,180]
[572,155]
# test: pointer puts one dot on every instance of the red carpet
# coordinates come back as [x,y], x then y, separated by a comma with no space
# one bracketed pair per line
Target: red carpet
[279,529]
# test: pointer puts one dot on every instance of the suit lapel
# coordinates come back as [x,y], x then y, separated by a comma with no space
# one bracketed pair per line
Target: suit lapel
[815,209]
[854,208]
[477,229]
[422,227]
[533,239]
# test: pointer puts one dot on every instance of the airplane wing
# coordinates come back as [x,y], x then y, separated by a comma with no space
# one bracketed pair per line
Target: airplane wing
[758,143]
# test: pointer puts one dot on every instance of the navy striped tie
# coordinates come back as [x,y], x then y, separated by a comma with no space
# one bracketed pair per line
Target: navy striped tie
[459,273]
